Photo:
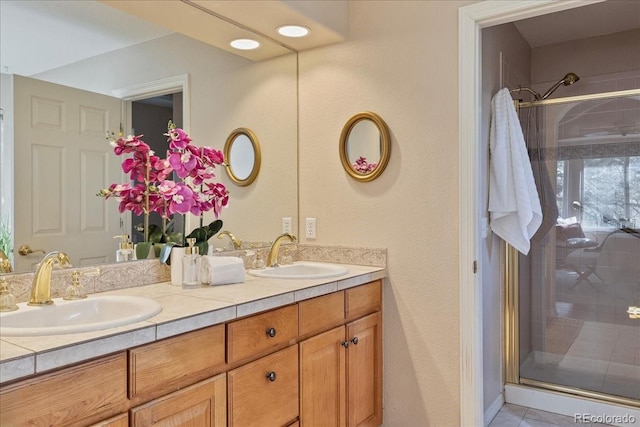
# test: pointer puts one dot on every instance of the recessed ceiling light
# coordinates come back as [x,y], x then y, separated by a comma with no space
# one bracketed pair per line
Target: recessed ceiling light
[293,31]
[244,44]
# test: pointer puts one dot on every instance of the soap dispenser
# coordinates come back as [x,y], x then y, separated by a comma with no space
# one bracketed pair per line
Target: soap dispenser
[7,300]
[190,264]
[75,290]
[125,251]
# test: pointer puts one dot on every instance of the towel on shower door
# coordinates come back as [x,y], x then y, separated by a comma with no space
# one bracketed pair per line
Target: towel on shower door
[514,206]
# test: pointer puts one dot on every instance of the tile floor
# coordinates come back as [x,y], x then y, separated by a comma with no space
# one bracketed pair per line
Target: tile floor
[511,415]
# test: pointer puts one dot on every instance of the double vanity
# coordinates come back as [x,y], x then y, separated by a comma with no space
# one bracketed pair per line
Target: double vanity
[299,347]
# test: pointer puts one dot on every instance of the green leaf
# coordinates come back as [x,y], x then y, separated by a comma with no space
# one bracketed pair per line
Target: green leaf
[175,237]
[155,234]
[157,247]
[142,250]
[165,253]
[200,234]
[203,247]
[213,228]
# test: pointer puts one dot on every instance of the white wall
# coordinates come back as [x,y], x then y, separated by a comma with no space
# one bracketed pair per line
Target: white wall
[400,61]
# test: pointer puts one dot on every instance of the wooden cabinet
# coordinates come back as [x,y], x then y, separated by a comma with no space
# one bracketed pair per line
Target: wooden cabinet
[203,404]
[264,393]
[314,363]
[76,396]
[341,369]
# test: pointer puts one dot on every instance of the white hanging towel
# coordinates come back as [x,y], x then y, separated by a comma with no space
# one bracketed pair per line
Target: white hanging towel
[514,206]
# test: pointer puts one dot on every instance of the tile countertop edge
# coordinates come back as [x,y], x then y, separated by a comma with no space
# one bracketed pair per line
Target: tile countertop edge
[25,362]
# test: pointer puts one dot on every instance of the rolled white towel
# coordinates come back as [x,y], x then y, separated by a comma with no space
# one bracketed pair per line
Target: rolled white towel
[225,270]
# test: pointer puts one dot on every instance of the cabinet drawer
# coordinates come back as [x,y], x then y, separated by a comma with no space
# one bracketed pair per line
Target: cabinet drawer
[362,300]
[321,313]
[255,335]
[75,396]
[167,365]
[264,392]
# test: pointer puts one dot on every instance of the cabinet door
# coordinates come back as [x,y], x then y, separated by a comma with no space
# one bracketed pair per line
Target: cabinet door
[364,371]
[322,380]
[264,393]
[202,405]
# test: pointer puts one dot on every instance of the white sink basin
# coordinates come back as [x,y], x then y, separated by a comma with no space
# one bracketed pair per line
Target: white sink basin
[68,317]
[302,270]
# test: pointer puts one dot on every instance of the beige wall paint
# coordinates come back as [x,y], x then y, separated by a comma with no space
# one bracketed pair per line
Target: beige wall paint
[400,60]
[516,66]
[592,56]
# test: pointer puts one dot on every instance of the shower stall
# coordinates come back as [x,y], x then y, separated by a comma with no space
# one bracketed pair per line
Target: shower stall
[572,304]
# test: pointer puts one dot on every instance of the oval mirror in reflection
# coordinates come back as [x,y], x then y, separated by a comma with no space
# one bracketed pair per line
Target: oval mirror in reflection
[365,146]
[242,155]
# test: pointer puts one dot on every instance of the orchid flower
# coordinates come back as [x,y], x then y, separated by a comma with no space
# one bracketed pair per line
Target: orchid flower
[194,165]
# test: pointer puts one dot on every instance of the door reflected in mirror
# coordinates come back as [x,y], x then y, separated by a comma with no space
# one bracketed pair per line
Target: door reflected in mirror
[365,146]
[242,154]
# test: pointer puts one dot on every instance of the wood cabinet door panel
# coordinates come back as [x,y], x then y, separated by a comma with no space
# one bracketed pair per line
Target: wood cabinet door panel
[257,401]
[167,365]
[363,300]
[322,380]
[364,372]
[255,335]
[200,405]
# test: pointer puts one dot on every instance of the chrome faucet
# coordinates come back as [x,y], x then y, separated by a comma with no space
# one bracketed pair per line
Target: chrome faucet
[237,244]
[272,257]
[41,286]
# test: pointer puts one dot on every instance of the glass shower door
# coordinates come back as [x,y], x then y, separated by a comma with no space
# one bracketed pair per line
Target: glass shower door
[581,280]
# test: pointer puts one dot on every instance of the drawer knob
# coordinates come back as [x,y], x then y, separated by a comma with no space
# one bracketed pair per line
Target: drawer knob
[354,340]
[271,376]
[271,332]
[345,344]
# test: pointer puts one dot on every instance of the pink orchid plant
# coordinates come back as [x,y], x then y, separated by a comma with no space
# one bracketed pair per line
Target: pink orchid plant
[155,191]
[362,166]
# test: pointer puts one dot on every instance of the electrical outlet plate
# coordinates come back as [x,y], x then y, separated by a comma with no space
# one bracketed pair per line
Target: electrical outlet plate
[310,228]
[286,225]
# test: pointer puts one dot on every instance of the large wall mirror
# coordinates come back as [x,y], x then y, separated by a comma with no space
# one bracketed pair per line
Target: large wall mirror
[365,146]
[242,155]
[225,91]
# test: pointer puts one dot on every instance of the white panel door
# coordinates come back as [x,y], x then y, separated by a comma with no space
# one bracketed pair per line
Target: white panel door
[62,159]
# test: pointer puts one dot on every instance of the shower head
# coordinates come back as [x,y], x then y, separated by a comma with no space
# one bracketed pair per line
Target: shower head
[567,80]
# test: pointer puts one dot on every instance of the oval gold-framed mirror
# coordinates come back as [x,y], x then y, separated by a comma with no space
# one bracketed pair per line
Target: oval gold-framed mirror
[365,146]
[242,156]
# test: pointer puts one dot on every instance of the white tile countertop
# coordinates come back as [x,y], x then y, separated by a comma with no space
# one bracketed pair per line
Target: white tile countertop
[183,310]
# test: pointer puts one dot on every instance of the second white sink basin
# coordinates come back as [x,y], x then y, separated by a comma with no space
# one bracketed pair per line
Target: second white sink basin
[66,317]
[302,270]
